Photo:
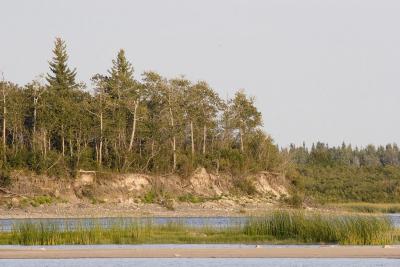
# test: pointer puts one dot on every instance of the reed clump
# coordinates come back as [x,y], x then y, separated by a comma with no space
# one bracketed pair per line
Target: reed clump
[367,207]
[345,229]
[275,227]
[51,234]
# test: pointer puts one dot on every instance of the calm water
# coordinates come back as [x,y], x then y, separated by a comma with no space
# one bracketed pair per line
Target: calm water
[6,224]
[201,262]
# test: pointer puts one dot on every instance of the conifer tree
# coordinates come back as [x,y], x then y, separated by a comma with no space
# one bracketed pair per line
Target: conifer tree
[61,76]
[147,125]
[121,89]
[62,91]
[121,75]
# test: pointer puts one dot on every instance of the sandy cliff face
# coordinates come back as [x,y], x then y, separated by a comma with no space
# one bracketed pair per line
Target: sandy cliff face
[134,187]
[271,183]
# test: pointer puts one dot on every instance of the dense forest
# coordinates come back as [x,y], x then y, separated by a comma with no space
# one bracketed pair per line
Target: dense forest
[345,155]
[332,174]
[122,123]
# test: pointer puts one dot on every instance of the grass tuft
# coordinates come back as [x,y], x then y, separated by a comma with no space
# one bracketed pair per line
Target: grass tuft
[275,227]
[367,207]
[323,228]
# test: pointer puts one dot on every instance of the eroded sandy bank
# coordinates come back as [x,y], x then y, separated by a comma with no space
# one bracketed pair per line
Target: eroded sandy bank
[223,207]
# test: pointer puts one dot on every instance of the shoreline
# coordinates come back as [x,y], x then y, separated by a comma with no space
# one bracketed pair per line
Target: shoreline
[286,252]
[206,209]
[149,211]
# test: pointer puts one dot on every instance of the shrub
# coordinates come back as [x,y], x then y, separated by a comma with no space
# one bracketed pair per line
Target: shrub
[349,183]
[41,200]
[168,203]
[150,197]
[245,185]
[5,178]
[295,201]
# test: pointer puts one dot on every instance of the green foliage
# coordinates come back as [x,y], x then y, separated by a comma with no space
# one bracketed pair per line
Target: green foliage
[350,184]
[323,228]
[367,207]
[121,76]
[191,198]
[37,201]
[5,178]
[244,185]
[150,197]
[321,154]
[62,77]
[41,200]
[277,227]
[159,197]
[231,160]
[88,192]
[245,115]
[343,174]
[295,200]
[155,124]
[168,203]
[161,125]
[186,164]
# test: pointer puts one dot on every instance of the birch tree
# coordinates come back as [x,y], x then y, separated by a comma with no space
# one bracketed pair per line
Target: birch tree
[4,92]
[244,115]
[203,105]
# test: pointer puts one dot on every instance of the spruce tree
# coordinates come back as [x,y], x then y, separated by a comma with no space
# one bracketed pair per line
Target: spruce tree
[64,107]
[61,76]
[120,84]
[121,76]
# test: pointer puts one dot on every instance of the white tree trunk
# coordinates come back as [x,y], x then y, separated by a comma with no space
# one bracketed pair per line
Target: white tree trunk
[133,126]
[4,120]
[101,140]
[34,115]
[174,150]
[44,144]
[62,140]
[71,148]
[173,140]
[241,140]
[204,139]
[191,136]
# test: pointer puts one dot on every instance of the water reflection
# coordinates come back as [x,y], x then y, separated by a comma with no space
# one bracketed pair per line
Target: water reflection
[71,223]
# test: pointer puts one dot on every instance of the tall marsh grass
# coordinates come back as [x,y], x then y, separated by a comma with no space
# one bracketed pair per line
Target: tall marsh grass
[367,207]
[275,227]
[51,234]
[346,229]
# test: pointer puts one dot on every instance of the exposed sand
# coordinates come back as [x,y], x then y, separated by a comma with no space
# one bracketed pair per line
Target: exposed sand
[225,207]
[286,252]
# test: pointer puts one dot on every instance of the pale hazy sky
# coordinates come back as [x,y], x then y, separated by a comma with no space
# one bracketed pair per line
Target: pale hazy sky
[319,69]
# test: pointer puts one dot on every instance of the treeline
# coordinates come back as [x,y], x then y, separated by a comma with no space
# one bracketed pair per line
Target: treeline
[322,154]
[345,174]
[148,123]
[152,124]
